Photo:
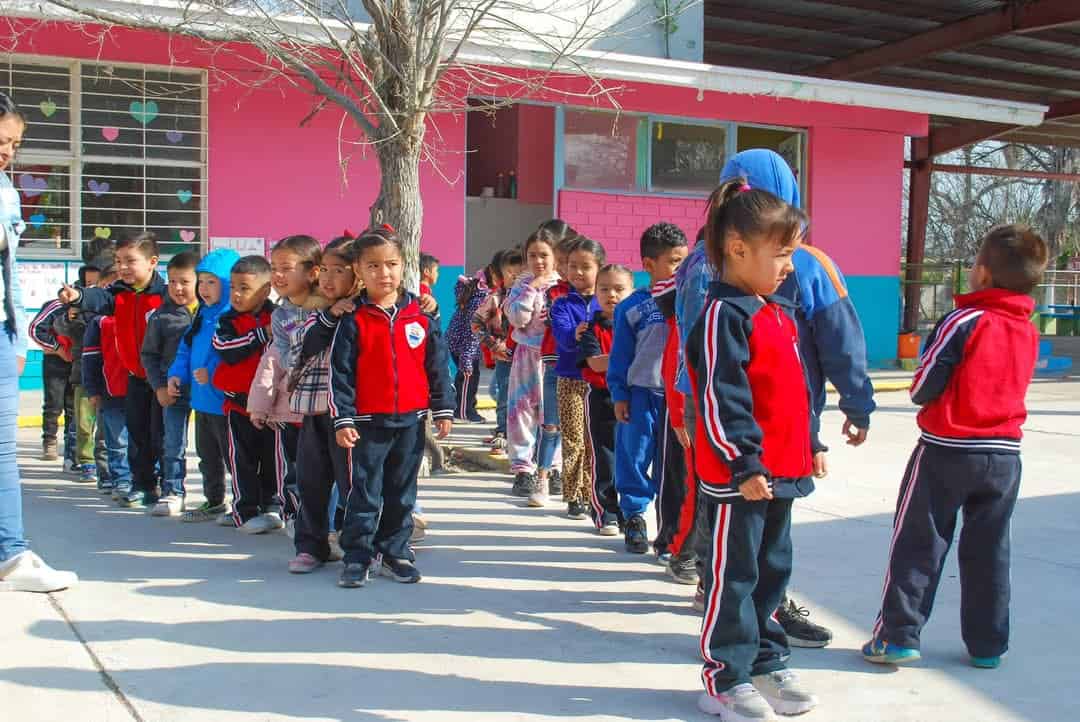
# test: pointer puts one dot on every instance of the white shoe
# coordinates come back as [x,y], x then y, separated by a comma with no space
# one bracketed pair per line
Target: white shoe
[537,499]
[263,523]
[226,519]
[336,552]
[741,703]
[27,572]
[171,505]
[419,528]
[783,692]
[290,528]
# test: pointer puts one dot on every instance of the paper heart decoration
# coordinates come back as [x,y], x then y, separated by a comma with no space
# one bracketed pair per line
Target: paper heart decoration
[32,186]
[174,136]
[98,189]
[38,220]
[100,232]
[110,134]
[184,195]
[187,236]
[143,112]
[48,108]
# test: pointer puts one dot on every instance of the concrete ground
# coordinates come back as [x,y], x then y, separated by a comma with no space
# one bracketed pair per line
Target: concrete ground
[522,614]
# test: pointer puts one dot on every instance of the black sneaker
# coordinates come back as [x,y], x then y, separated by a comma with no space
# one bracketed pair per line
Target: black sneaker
[637,535]
[354,575]
[801,632]
[683,569]
[524,484]
[554,483]
[475,418]
[400,570]
[576,510]
[133,497]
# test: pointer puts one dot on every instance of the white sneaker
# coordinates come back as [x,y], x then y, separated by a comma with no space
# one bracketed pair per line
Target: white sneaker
[290,528]
[336,552]
[27,572]
[226,519]
[741,703]
[170,505]
[783,692]
[537,499]
[270,521]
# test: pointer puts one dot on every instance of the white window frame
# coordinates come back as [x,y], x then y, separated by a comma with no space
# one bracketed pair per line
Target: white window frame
[75,159]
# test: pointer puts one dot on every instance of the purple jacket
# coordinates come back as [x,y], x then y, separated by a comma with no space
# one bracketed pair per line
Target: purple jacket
[566,314]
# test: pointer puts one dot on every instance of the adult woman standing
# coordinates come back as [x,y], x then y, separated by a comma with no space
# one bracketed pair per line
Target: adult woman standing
[20,569]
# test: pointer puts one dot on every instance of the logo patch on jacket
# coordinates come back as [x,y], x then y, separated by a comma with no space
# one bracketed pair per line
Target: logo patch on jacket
[415,334]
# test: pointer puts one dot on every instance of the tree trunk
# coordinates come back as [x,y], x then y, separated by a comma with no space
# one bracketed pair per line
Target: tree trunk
[399,204]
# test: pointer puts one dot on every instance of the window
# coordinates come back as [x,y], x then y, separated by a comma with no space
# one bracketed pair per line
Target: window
[600,150]
[110,150]
[686,158]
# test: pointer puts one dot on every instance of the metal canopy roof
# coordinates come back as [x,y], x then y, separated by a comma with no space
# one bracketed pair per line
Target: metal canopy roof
[1023,50]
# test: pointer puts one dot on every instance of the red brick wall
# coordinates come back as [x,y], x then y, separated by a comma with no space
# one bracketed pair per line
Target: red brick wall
[618,221]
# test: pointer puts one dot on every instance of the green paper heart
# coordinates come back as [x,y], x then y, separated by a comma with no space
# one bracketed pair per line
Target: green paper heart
[48,108]
[143,112]
[100,232]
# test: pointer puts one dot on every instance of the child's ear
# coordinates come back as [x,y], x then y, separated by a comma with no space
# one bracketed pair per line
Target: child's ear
[649,264]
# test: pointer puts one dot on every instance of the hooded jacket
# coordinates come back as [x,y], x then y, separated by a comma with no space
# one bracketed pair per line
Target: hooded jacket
[196,349]
[567,313]
[103,372]
[165,329]
[974,373]
[131,308]
[831,338]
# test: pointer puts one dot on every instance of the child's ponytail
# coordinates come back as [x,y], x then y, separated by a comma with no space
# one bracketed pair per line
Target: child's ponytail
[752,214]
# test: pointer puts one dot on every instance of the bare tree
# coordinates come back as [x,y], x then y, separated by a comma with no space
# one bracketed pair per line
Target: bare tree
[413,59]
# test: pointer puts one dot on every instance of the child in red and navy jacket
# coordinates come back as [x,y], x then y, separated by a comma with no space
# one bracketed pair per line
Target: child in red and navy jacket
[971,382]
[243,333]
[754,453]
[131,300]
[614,283]
[388,366]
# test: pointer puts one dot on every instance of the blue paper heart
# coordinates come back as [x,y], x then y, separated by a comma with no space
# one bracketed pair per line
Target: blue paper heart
[98,188]
[38,220]
[184,195]
[174,136]
[143,112]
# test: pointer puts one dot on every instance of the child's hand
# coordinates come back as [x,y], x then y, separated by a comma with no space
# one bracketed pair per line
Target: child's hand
[821,466]
[342,307]
[428,304]
[683,437]
[202,376]
[580,330]
[95,401]
[163,397]
[174,387]
[68,294]
[756,488]
[347,437]
[622,411]
[443,428]
[855,435]
[258,421]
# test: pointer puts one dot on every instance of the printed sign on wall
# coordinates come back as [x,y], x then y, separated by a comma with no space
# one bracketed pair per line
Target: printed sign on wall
[243,246]
[40,282]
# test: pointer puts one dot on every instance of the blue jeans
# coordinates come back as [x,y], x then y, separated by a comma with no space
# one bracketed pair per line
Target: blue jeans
[500,386]
[549,440]
[113,419]
[11,522]
[175,443]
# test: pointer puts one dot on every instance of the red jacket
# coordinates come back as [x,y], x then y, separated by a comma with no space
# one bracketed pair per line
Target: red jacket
[974,373]
[388,367]
[549,350]
[240,340]
[751,392]
[116,377]
[131,308]
[596,341]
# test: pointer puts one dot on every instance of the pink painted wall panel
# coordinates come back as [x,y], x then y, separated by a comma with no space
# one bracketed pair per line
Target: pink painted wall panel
[617,221]
[856,189]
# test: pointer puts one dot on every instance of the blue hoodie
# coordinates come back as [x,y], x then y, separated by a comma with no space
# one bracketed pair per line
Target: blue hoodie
[831,338]
[196,351]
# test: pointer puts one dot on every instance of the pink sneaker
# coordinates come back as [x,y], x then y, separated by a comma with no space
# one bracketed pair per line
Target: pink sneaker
[304,563]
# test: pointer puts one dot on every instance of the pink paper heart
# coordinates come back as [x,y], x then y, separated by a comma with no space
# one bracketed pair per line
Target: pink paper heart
[187,236]
[110,134]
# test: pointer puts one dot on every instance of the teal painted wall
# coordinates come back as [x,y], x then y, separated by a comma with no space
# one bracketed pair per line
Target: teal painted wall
[877,301]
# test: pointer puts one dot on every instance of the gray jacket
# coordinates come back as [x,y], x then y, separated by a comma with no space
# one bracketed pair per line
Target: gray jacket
[165,330]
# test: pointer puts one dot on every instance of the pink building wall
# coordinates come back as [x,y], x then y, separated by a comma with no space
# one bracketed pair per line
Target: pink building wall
[617,221]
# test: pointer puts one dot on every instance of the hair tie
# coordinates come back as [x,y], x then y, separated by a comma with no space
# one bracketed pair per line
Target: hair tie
[349,234]
[389,228]
[744,187]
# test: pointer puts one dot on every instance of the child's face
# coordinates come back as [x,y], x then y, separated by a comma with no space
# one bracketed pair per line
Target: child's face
[664,266]
[581,270]
[336,277]
[431,276]
[249,291]
[290,276]
[93,277]
[758,267]
[209,288]
[380,270]
[509,273]
[134,268]
[182,283]
[611,288]
[541,259]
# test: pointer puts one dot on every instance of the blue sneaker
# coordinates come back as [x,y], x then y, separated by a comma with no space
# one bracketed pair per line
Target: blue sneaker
[987,662]
[880,652]
[88,474]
